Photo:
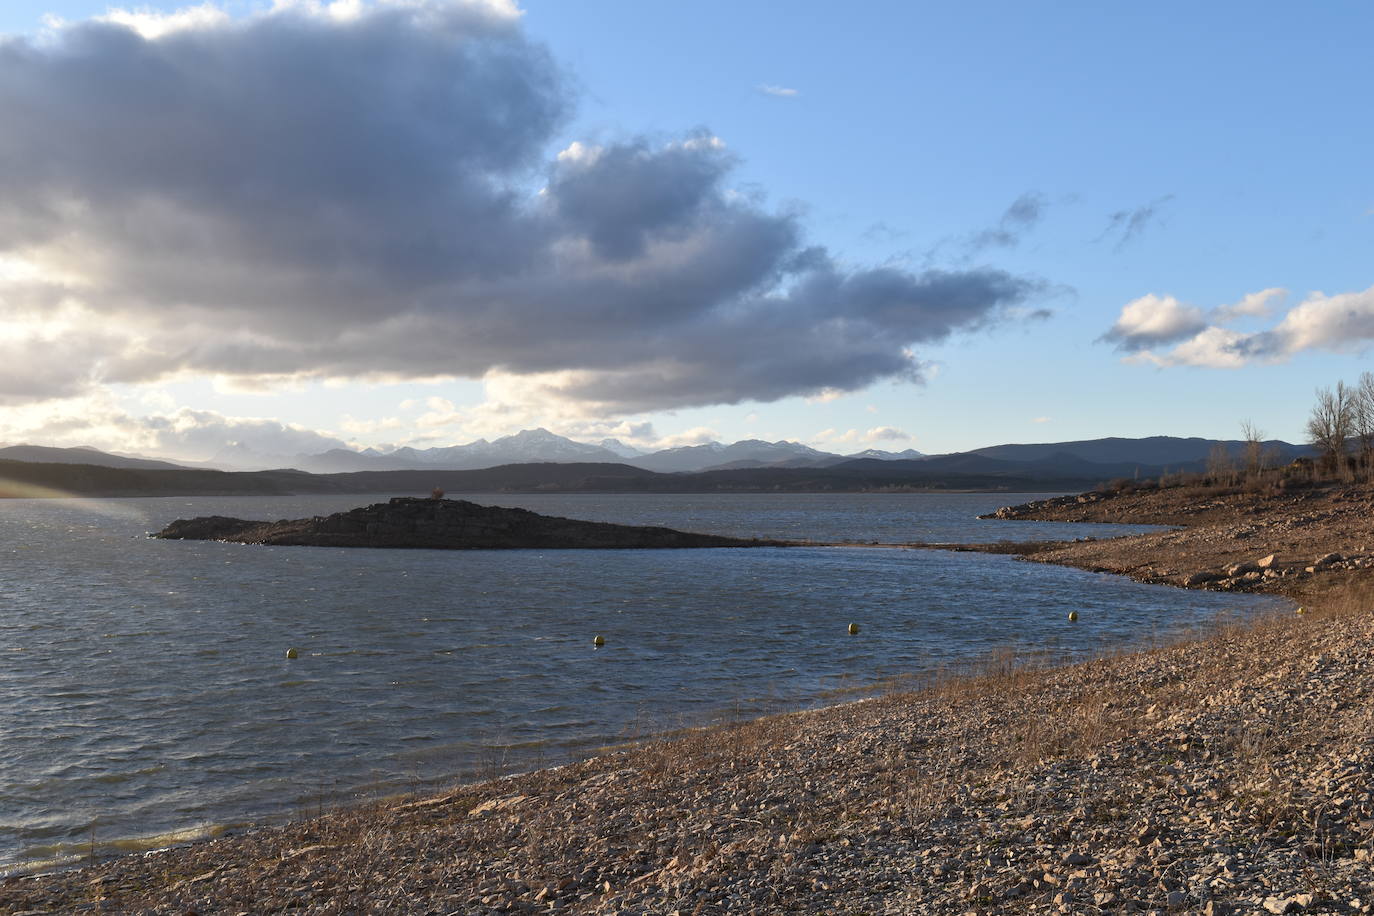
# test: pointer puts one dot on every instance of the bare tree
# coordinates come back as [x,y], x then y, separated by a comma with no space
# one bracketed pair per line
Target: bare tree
[1220,466]
[1363,419]
[1255,455]
[1331,422]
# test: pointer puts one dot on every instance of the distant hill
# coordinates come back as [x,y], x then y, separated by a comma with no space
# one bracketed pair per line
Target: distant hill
[80,455]
[31,478]
[1167,452]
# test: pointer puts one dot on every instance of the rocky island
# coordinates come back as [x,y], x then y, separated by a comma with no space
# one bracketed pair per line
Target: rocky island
[444,524]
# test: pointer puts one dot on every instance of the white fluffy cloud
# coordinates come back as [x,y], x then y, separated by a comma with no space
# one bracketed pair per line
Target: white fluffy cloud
[1152,320]
[833,437]
[1334,323]
[1251,305]
[352,190]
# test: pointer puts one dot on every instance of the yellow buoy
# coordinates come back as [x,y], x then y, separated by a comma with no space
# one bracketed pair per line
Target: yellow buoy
[1073,615]
[599,640]
[291,653]
[853,629]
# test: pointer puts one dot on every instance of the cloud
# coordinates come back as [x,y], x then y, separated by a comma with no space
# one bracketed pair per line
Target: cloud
[1020,218]
[1255,305]
[366,191]
[152,24]
[697,435]
[831,437]
[1127,225]
[1153,320]
[98,421]
[1042,419]
[778,91]
[1342,323]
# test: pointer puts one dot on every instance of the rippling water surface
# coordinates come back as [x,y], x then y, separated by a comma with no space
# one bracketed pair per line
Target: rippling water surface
[145,694]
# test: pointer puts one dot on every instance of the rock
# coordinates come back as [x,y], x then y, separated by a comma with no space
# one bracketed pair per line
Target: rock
[1294,904]
[1330,559]
[1266,562]
[1240,569]
[445,524]
[1203,577]
[1176,900]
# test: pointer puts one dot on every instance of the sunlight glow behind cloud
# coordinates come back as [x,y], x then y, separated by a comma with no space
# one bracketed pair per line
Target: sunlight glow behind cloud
[342,191]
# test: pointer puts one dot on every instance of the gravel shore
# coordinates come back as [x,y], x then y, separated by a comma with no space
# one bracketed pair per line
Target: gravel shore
[1228,540]
[1229,774]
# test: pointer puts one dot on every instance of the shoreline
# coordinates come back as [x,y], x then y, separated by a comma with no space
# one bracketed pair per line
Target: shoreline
[1116,784]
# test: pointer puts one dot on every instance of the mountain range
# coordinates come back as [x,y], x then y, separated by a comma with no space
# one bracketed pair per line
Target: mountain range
[1097,458]
[749,466]
[540,445]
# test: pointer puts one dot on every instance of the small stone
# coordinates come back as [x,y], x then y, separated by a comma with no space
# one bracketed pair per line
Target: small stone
[1077,858]
[1176,900]
[1266,562]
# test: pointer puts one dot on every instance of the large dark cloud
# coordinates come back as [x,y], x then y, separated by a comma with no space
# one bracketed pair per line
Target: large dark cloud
[300,193]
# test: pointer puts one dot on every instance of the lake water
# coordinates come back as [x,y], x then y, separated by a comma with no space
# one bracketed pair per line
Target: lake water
[145,695]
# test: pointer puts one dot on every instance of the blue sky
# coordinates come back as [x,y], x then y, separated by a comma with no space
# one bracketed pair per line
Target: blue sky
[1034,223]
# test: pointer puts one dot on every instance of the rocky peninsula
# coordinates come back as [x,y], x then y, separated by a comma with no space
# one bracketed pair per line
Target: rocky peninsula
[445,524]
[1292,542]
[1232,773]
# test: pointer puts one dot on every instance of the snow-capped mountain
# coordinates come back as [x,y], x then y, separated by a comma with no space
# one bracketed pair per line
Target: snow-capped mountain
[909,454]
[525,447]
[743,454]
[539,445]
[620,448]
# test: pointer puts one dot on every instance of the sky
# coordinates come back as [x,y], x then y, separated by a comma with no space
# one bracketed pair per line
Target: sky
[303,225]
